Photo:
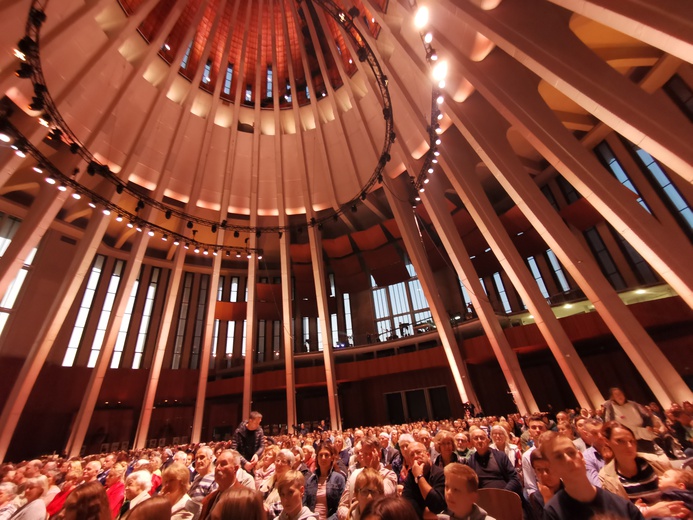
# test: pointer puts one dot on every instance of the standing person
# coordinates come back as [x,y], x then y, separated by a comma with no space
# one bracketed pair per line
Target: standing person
[578,500]
[249,441]
[634,416]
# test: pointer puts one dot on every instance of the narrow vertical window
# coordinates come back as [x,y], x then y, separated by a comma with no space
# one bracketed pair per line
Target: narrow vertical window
[146,319]
[287,94]
[186,57]
[269,81]
[306,333]
[347,318]
[606,262]
[244,339]
[604,152]
[105,313]
[10,298]
[124,325]
[215,341]
[248,93]
[230,337]
[500,288]
[558,271]
[276,339]
[199,322]
[335,330]
[261,331]
[536,273]
[207,74]
[228,77]
[307,93]
[84,309]
[233,297]
[321,346]
[465,295]
[182,320]
[333,289]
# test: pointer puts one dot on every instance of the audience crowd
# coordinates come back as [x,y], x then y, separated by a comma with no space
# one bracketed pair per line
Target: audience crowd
[625,461]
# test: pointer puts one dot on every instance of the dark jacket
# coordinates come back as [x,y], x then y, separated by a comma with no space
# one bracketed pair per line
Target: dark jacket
[435,500]
[505,467]
[334,487]
[248,442]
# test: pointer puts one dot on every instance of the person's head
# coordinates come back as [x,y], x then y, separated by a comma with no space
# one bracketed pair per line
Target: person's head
[254,420]
[389,507]
[595,433]
[542,468]
[108,462]
[308,453]
[269,455]
[621,440]
[479,441]
[155,462]
[291,486]
[682,417]
[419,453]
[536,426]
[425,437]
[368,486]
[8,492]
[384,440]
[181,457]
[338,443]
[675,479]
[565,460]
[137,483]
[325,455]
[562,417]
[461,441]
[369,456]
[32,468]
[35,487]
[461,486]
[358,435]
[116,474]
[91,470]
[283,462]
[87,501]
[617,395]
[175,481]
[203,460]
[499,436]
[564,428]
[405,440]
[155,508]
[228,463]
[444,443]
[239,502]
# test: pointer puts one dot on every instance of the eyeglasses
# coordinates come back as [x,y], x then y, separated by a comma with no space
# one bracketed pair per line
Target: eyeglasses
[366,492]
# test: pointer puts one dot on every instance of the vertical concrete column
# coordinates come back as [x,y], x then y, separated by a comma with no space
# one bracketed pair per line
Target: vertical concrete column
[250,335]
[287,339]
[325,325]
[206,351]
[442,220]
[50,327]
[91,392]
[397,196]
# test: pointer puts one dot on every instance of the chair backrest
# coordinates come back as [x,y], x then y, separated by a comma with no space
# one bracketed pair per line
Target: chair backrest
[500,503]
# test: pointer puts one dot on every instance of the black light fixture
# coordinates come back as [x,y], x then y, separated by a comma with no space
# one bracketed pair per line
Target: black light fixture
[362,54]
[280,235]
[189,225]
[26,45]
[168,214]
[24,71]
[74,148]
[140,205]
[236,234]
[258,233]
[353,208]
[119,189]
[214,228]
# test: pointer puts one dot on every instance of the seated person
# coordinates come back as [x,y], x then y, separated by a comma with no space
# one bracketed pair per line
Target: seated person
[461,486]
[494,468]
[677,484]
[291,488]
[579,499]
[368,486]
[548,484]
[425,484]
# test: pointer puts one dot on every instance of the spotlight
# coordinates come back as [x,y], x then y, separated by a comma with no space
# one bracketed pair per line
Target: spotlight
[197,249]
[56,134]
[119,218]
[20,153]
[439,131]
[440,100]
[131,224]
[37,169]
[106,211]
[62,187]
[140,205]
[138,228]
[441,83]
[258,233]
[74,148]
[421,17]
[186,246]
[427,180]
[431,170]
[164,238]
[44,122]
[417,198]
[249,256]
[238,254]
[436,152]
[167,47]
[393,137]
[205,252]
[428,37]
[37,104]
[228,253]
[119,189]
[440,116]
[37,17]
[26,45]
[19,55]
[223,224]
[214,228]
[176,242]
[280,235]
[92,204]
[432,55]
[51,180]
[92,167]
[150,232]
[76,196]
[440,71]
[4,137]
[362,54]
[236,234]
[24,71]
[354,12]
[364,195]
[215,252]
[438,141]
[259,256]
[421,189]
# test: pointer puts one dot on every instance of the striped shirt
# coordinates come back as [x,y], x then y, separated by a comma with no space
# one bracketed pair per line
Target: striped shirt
[643,485]
[201,487]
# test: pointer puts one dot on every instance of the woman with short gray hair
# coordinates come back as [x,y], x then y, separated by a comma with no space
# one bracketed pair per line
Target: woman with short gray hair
[8,492]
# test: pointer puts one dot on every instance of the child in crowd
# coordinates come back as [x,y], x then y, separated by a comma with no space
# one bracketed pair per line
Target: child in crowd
[461,486]
[677,484]
[291,486]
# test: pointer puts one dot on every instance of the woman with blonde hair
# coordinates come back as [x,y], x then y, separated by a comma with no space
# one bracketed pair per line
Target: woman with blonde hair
[72,478]
[175,482]
[444,443]
[265,468]
[501,442]
[115,487]
[367,487]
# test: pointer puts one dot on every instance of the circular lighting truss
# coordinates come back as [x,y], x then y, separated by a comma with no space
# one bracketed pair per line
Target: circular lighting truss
[438,68]
[28,54]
